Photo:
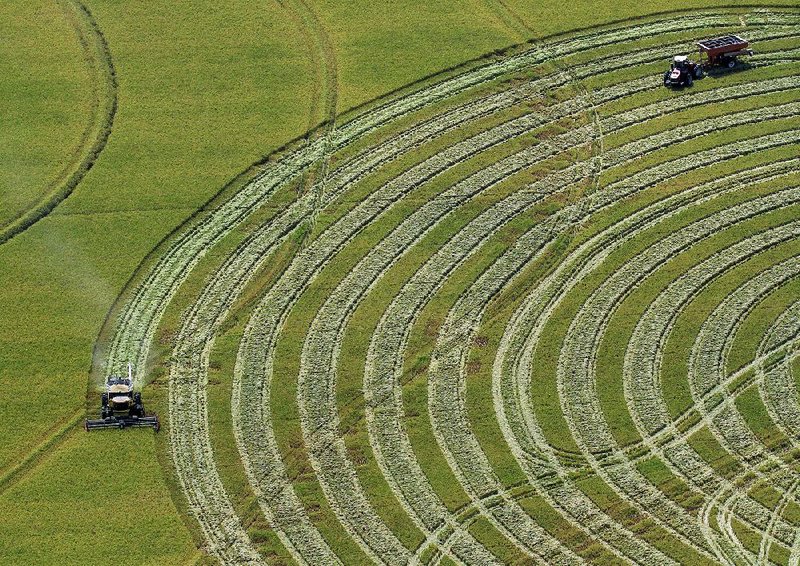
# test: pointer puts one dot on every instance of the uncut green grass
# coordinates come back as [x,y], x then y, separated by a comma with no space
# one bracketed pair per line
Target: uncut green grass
[547,18]
[204,91]
[45,100]
[175,142]
[51,310]
[379,49]
[105,487]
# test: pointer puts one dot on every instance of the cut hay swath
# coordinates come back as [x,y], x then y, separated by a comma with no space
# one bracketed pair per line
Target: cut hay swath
[479,249]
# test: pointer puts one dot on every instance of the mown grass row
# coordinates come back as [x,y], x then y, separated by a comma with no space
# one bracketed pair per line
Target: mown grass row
[293,435]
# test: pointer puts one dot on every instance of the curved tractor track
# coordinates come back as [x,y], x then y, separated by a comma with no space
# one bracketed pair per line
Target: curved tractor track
[98,128]
[541,310]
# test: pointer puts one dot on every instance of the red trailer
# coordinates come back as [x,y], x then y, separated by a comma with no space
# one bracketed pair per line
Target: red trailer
[723,51]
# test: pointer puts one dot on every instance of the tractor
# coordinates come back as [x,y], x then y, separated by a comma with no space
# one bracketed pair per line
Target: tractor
[682,72]
[121,406]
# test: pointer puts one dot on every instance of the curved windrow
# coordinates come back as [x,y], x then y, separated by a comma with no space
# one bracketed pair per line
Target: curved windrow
[540,310]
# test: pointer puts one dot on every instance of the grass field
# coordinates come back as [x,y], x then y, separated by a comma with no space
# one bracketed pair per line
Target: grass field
[439,283]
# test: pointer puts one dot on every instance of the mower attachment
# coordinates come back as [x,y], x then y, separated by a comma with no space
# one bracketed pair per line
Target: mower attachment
[121,406]
[122,422]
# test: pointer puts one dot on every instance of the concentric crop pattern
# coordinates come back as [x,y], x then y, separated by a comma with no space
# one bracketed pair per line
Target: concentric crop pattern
[542,310]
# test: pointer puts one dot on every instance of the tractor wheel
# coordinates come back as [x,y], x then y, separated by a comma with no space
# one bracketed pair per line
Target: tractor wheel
[698,72]
[689,80]
[731,63]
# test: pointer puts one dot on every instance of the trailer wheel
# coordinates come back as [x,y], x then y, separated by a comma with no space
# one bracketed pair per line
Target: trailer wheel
[731,63]
[698,72]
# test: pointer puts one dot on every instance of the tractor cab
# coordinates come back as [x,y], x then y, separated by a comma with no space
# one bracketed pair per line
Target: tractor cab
[679,61]
[119,394]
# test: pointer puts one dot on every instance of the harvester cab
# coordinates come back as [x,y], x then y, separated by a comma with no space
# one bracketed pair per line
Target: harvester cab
[121,406]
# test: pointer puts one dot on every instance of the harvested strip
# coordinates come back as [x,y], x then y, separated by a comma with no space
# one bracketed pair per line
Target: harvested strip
[526,413]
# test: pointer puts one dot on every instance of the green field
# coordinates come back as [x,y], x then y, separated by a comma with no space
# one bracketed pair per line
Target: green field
[444,282]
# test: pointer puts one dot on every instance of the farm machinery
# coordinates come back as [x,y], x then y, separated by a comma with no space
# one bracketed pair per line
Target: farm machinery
[121,406]
[682,72]
[719,52]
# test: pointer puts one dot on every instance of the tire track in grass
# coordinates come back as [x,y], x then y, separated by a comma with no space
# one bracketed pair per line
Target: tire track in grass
[695,231]
[19,470]
[530,425]
[454,429]
[322,52]
[392,324]
[95,135]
